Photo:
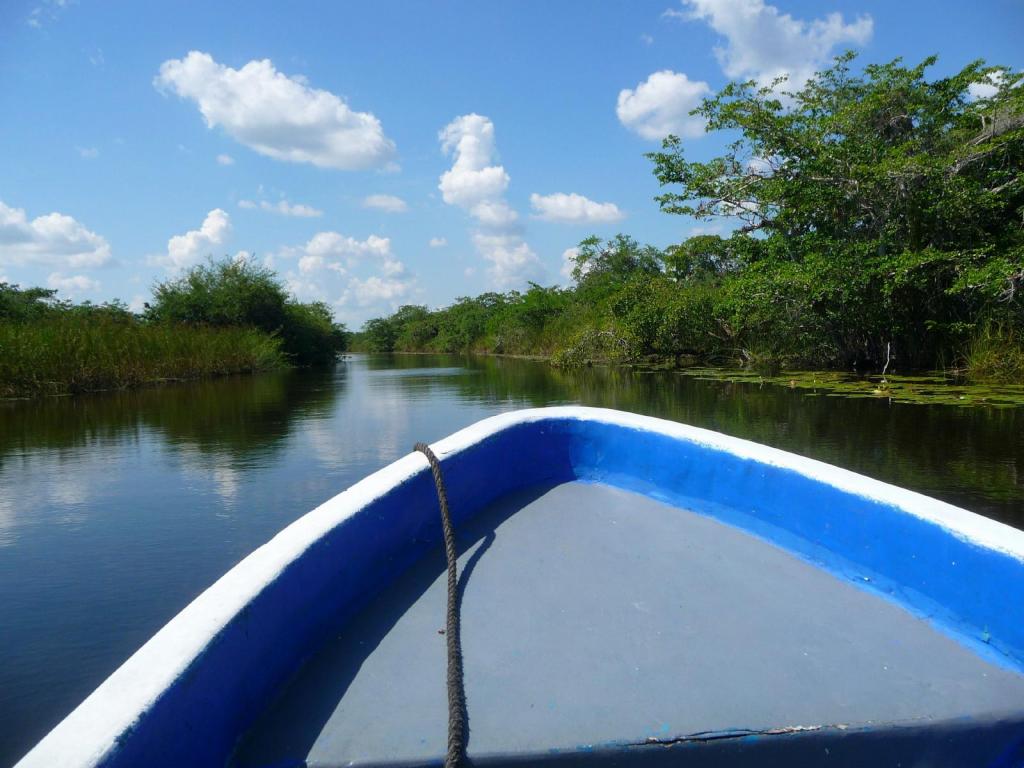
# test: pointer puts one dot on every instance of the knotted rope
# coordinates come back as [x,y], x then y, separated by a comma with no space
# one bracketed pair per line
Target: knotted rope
[456,687]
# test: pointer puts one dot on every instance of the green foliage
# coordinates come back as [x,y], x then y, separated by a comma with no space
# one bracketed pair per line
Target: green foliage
[877,217]
[876,211]
[378,335]
[309,334]
[704,258]
[996,355]
[61,354]
[224,317]
[24,304]
[240,293]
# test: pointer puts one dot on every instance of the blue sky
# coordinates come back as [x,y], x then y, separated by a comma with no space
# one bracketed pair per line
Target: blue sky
[376,154]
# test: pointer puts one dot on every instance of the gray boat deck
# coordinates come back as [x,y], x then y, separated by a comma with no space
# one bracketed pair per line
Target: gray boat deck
[593,616]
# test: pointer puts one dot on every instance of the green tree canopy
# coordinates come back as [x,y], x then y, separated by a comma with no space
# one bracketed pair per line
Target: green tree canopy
[899,198]
[239,292]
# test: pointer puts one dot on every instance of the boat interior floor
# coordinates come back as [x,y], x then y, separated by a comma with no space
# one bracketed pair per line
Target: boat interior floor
[594,617]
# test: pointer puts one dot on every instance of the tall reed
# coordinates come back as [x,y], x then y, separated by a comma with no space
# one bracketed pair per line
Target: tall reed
[64,353]
[996,355]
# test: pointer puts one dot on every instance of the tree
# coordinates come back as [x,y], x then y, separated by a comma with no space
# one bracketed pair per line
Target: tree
[899,197]
[701,258]
[379,335]
[25,304]
[616,259]
[239,292]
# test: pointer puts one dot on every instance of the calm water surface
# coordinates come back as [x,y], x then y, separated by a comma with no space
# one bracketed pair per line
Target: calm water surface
[117,509]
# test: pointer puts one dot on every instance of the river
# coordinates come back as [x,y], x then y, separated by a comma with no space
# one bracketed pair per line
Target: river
[116,509]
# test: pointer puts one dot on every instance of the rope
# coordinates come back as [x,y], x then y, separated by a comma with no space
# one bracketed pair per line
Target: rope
[456,687]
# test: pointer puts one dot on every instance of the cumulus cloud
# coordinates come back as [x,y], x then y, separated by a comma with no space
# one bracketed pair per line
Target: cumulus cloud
[513,261]
[336,245]
[72,285]
[284,208]
[375,290]
[473,178]
[88,153]
[54,239]
[568,262]
[988,87]
[762,43]
[438,242]
[225,160]
[185,250]
[372,274]
[386,203]
[477,184]
[573,209]
[276,115]
[662,104]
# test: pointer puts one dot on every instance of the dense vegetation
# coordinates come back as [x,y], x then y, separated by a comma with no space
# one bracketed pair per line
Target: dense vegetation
[875,219]
[230,293]
[224,317]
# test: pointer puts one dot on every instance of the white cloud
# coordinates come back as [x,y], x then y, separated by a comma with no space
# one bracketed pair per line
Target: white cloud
[73,285]
[51,239]
[284,208]
[646,39]
[365,275]
[225,160]
[477,185]
[762,43]
[137,304]
[88,153]
[183,251]
[310,263]
[496,214]
[568,262]
[987,88]
[662,104]
[276,115]
[513,261]
[336,245]
[340,253]
[47,11]
[386,203]
[573,209]
[982,90]
[375,290]
[472,179]
[298,210]
[304,289]
[438,242]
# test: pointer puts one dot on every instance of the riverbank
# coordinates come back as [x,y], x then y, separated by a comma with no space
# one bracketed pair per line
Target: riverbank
[949,388]
[217,319]
[65,355]
[807,260]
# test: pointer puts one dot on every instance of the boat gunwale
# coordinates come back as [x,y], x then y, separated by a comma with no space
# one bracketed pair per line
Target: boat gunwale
[94,729]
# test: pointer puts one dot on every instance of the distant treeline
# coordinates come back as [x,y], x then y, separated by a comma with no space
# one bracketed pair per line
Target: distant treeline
[869,219]
[220,318]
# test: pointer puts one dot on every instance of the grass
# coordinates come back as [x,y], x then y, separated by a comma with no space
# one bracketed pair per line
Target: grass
[996,355]
[65,354]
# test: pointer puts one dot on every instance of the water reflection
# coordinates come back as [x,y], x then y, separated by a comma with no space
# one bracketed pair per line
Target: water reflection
[117,509]
[970,457]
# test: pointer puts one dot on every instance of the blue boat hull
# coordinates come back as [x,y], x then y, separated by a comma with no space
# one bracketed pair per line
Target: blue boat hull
[190,694]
